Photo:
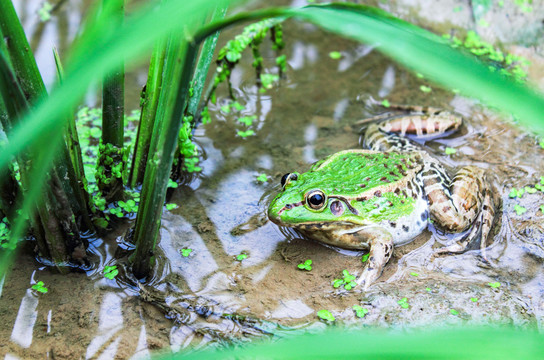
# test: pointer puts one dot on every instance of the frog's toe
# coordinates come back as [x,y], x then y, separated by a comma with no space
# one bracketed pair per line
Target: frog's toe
[380,252]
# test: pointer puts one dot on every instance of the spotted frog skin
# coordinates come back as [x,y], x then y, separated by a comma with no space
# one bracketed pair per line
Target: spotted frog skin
[385,196]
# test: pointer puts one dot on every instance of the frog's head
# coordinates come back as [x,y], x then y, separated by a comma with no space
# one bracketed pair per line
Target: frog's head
[306,200]
[344,195]
[309,203]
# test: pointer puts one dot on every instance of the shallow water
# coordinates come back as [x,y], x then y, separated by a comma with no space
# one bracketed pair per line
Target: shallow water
[210,297]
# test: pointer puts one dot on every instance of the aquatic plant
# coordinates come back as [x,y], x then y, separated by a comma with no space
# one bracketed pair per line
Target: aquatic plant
[177,56]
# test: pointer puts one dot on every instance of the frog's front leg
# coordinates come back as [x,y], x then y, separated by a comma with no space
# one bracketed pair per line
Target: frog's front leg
[381,249]
[455,205]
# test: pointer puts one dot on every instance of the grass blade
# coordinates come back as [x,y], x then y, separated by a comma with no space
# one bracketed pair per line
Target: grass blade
[450,344]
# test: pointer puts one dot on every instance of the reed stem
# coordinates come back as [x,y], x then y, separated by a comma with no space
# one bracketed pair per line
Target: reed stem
[181,58]
[111,163]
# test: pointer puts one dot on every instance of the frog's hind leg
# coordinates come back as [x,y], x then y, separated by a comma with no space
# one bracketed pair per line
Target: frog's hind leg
[468,200]
[421,122]
[381,249]
[377,140]
[389,134]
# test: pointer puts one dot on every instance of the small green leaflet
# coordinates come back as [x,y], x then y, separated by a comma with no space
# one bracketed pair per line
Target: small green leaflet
[403,303]
[262,178]
[241,257]
[171,206]
[474,299]
[365,257]
[325,315]
[425,89]
[360,311]
[494,285]
[307,265]
[39,287]
[454,312]
[186,252]
[110,272]
[335,55]
[520,210]
[450,151]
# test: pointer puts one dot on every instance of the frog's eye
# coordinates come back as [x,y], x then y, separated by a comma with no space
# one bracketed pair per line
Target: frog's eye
[316,199]
[287,177]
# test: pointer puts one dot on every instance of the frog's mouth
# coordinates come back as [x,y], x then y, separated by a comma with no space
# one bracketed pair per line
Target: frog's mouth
[341,234]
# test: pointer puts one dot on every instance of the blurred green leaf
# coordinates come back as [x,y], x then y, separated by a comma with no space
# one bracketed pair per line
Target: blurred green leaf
[452,344]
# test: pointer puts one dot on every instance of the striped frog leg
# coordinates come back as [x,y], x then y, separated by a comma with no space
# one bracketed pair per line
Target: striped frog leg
[470,202]
[420,121]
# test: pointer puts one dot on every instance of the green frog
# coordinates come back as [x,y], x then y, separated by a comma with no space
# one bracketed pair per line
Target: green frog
[385,195]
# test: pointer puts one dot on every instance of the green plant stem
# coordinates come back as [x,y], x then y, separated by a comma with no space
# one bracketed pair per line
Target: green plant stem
[9,187]
[54,226]
[113,110]
[71,136]
[76,172]
[150,102]
[186,155]
[203,65]
[180,62]
[24,64]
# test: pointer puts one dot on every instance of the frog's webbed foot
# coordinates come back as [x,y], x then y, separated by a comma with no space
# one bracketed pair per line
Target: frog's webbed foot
[381,249]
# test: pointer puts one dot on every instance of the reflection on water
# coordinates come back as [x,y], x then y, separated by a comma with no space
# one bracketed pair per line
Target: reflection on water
[209,296]
[26,319]
[109,324]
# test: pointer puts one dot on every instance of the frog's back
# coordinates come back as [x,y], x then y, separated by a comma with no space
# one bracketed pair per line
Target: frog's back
[357,173]
[382,188]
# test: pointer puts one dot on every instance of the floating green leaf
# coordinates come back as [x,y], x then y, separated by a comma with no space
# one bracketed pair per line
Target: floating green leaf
[246,133]
[403,303]
[247,120]
[360,311]
[172,184]
[241,257]
[425,89]
[186,252]
[348,281]
[307,265]
[474,299]
[494,285]
[450,151]
[237,106]
[110,272]
[268,80]
[335,55]
[520,210]
[39,287]
[516,193]
[325,315]
[454,312]
[171,206]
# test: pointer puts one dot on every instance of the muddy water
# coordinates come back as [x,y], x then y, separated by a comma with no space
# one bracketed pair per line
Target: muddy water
[210,297]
